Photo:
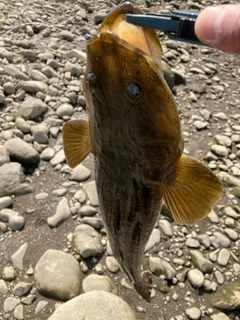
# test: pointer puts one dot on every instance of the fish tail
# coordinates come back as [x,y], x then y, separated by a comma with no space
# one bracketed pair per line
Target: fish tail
[191,191]
[144,288]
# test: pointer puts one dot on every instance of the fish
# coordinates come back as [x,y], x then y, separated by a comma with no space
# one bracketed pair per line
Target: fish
[134,132]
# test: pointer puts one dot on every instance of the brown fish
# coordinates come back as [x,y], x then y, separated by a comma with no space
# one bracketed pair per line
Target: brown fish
[135,136]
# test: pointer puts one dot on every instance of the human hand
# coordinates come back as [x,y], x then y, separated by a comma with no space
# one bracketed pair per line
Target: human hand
[219,27]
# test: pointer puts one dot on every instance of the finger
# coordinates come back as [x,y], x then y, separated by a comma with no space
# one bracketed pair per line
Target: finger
[219,27]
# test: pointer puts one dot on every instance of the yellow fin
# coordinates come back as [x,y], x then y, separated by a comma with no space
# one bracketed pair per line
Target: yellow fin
[191,191]
[76,141]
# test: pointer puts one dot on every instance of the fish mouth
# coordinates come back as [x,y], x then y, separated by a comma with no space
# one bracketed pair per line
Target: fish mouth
[141,38]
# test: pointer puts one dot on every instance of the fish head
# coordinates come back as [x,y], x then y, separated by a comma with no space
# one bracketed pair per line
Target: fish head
[124,79]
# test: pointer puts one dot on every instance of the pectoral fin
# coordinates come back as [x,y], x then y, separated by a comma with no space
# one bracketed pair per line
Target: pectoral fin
[191,191]
[76,141]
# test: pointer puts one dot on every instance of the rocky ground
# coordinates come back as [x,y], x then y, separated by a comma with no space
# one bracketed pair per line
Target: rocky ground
[53,244]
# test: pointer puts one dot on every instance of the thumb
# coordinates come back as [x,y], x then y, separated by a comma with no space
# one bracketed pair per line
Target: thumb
[219,27]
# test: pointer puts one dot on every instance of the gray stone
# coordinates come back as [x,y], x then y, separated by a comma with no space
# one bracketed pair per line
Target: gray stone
[67,35]
[159,266]
[230,212]
[106,306]
[87,241]
[223,257]
[18,256]
[81,196]
[227,297]
[16,222]
[62,214]
[196,278]
[63,284]
[193,313]
[32,108]
[39,76]
[22,288]
[23,125]
[200,262]
[5,214]
[5,202]
[192,243]
[91,191]
[58,158]
[213,217]
[5,54]
[112,264]
[41,196]
[18,312]
[153,240]
[222,239]
[40,133]
[165,226]
[12,179]
[88,211]
[75,53]
[223,140]
[9,273]
[32,86]
[80,173]
[219,150]
[74,69]
[9,87]
[47,154]
[40,306]
[200,124]
[13,71]
[96,223]
[4,156]
[21,151]
[219,316]
[49,72]
[10,303]
[168,74]
[96,282]
[3,287]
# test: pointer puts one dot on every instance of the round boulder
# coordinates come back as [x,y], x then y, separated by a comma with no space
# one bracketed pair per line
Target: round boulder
[99,305]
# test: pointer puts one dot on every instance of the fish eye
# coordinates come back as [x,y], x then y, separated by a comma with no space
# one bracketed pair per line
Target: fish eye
[134,91]
[88,36]
[92,80]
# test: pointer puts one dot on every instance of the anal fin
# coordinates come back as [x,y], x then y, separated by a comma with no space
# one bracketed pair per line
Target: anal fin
[76,141]
[191,191]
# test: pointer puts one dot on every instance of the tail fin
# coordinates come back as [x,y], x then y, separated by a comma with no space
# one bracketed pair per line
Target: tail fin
[191,191]
[144,288]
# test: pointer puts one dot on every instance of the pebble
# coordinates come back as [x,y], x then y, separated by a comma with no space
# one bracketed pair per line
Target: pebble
[17,257]
[199,261]
[10,303]
[61,285]
[106,306]
[80,173]
[87,211]
[165,226]
[91,191]
[193,313]
[196,278]
[153,240]
[160,267]
[223,257]
[112,264]
[62,214]
[96,282]
[87,241]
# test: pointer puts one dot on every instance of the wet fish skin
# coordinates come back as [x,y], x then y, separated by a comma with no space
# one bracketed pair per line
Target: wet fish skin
[134,133]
